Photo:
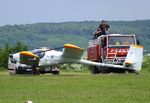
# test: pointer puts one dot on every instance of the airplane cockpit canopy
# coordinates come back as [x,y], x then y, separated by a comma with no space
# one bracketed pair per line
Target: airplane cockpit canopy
[39,52]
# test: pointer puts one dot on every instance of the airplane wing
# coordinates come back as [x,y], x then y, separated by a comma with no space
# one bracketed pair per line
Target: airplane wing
[27,57]
[73,54]
[72,51]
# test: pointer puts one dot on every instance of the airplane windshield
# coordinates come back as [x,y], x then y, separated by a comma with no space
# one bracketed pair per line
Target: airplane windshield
[121,40]
[39,53]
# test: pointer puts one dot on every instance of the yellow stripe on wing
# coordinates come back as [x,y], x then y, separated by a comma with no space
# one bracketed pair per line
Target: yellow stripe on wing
[72,46]
[27,53]
[137,46]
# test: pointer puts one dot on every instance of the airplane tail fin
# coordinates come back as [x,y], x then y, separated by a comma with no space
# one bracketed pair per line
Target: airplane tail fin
[134,57]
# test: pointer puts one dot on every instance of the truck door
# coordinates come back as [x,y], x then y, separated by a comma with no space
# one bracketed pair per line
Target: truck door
[103,47]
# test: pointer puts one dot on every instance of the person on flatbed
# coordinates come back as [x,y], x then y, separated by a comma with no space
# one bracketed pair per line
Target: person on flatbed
[102,29]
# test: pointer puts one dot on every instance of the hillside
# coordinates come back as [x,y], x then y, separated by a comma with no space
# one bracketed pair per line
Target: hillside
[57,34]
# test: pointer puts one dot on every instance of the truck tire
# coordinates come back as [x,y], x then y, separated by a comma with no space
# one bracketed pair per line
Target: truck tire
[95,70]
[133,71]
[117,70]
[105,70]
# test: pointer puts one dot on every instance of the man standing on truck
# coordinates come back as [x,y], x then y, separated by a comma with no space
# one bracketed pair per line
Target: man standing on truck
[107,27]
[102,29]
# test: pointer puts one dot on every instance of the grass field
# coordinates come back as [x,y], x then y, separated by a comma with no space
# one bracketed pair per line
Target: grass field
[75,88]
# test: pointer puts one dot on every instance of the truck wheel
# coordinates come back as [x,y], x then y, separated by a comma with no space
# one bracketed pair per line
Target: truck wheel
[94,70]
[130,71]
[133,71]
[105,70]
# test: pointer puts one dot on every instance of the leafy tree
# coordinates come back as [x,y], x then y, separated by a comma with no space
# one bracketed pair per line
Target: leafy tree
[146,63]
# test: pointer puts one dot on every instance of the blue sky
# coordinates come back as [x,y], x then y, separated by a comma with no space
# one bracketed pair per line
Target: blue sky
[34,11]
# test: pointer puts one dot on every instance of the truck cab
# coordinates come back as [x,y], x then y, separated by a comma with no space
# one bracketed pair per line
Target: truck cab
[110,49]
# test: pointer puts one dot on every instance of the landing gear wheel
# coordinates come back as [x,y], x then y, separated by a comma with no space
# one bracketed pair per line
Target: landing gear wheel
[55,70]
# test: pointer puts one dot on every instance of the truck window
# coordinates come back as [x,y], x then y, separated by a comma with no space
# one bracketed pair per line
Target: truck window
[121,40]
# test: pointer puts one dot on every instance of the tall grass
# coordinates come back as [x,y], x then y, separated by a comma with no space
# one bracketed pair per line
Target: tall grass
[75,88]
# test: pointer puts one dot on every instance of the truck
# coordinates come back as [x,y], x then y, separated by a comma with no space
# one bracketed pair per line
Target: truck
[15,67]
[110,49]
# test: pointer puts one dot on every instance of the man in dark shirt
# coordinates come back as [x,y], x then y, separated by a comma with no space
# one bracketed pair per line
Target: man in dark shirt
[102,29]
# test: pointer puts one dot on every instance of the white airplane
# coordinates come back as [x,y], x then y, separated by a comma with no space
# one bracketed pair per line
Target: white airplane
[73,54]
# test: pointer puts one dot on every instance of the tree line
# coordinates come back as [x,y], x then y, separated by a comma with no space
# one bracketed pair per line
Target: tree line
[79,33]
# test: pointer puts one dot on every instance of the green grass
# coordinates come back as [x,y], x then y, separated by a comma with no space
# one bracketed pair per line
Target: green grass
[75,88]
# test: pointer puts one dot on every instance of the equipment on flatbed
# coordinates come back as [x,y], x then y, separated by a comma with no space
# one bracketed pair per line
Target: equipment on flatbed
[115,49]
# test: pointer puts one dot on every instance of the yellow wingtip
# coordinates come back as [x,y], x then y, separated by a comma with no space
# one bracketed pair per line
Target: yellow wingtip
[72,46]
[137,46]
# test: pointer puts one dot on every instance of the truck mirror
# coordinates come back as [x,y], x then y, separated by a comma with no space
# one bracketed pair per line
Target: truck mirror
[138,42]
